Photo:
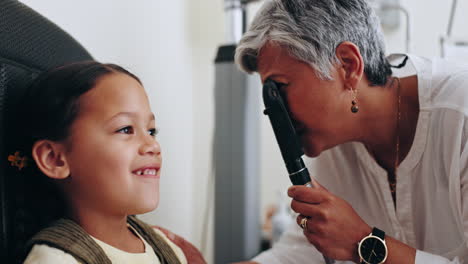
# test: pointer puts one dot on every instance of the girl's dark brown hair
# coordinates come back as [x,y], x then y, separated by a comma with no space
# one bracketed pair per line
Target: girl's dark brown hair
[47,111]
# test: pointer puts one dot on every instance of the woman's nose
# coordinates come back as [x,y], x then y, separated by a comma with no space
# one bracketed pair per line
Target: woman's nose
[149,145]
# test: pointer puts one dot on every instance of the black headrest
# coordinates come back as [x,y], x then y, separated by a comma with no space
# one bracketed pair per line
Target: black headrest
[29,44]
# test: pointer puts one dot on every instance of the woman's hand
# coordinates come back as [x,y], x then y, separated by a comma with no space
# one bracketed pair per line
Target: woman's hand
[192,254]
[333,226]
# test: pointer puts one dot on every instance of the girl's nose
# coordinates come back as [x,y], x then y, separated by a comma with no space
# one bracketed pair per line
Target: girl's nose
[150,146]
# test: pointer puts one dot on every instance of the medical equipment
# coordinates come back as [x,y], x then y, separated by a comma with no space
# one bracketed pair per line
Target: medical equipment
[285,134]
[236,149]
[453,48]
[388,11]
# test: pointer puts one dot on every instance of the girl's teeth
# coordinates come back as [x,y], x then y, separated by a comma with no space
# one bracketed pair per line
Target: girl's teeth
[151,172]
[147,172]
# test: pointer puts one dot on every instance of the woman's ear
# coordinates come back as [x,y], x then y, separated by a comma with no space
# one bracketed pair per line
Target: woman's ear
[50,159]
[352,64]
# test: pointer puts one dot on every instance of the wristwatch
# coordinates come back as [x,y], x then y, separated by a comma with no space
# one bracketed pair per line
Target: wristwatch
[372,248]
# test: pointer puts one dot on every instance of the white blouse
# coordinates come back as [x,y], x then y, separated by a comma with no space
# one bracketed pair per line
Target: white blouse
[432,181]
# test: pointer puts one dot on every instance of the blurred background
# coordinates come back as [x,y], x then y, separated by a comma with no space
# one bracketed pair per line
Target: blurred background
[172,45]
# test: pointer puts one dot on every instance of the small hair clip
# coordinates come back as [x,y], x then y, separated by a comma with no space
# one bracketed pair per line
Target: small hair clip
[18,161]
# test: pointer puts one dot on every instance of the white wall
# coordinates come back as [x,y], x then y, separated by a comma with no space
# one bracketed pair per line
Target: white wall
[171,45]
[206,35]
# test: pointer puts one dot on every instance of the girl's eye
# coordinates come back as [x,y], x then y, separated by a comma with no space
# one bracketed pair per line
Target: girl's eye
[126,130]
[153,132]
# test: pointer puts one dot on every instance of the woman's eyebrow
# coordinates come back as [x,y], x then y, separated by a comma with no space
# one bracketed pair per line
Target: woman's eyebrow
[274,76]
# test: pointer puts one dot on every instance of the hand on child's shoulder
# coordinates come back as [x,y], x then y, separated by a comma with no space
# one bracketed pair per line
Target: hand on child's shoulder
[192,254]
[173,237]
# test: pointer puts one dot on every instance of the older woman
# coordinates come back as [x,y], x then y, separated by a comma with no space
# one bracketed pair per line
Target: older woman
[392,160]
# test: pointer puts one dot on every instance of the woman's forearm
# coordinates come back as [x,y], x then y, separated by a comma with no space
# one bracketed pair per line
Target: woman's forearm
[398,252]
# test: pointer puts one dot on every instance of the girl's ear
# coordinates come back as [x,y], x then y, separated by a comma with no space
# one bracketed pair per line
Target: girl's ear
[50,159]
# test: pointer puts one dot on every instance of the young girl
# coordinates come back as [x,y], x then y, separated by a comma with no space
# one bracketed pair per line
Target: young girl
[90,134]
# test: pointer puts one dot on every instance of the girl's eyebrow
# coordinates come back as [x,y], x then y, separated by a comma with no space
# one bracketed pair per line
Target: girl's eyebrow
[132,115]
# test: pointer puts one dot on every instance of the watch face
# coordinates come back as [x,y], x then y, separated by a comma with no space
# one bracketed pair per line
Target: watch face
[373,250]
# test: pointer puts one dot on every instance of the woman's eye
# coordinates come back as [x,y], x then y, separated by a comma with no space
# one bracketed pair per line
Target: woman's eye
[126,130]
[282,86]
[153,132]
[282,90]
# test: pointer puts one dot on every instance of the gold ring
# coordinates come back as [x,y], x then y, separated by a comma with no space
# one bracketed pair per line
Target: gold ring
[303,223]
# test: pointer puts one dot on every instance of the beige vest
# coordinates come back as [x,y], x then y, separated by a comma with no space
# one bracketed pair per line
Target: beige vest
[68,236]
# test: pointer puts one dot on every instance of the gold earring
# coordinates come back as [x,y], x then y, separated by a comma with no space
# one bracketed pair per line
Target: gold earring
[354,106]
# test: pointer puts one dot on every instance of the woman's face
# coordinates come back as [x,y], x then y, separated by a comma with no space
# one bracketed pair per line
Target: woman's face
[114,157]
[320,109]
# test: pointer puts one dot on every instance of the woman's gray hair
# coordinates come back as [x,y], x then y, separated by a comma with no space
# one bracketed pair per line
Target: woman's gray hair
[312,29]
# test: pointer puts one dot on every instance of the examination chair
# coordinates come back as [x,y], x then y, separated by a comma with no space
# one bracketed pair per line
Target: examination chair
[29,44]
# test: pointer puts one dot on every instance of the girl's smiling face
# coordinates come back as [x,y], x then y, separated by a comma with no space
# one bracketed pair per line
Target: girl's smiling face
[112,153]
